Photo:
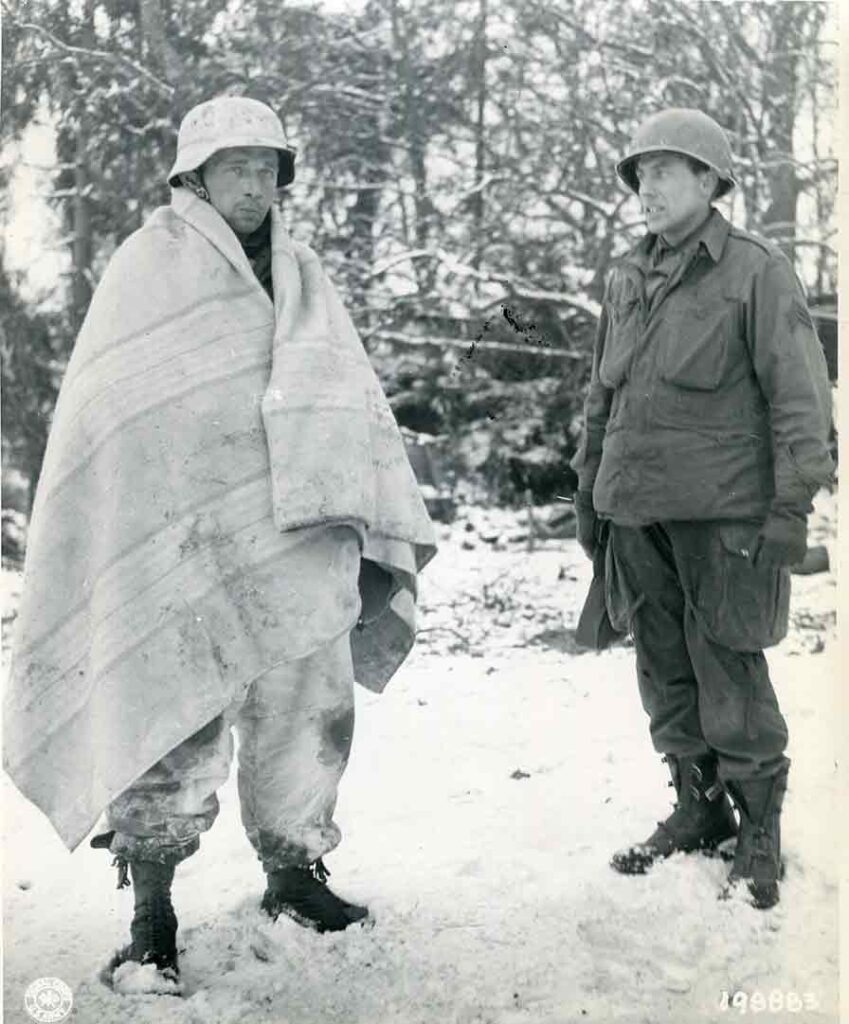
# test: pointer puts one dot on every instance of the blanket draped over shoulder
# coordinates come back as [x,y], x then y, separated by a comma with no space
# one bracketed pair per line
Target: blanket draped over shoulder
[220,471]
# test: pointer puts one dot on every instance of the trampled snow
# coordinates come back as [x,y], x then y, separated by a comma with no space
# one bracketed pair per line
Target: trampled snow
[488,787]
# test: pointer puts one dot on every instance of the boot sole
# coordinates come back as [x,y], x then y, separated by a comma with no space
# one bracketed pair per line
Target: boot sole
[752,900]
[715,848]
[307,922]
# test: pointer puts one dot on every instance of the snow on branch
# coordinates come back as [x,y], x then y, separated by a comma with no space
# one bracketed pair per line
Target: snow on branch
[474,345]
[700,88]
[582,303]
[352,92]
[381,266]
[715,65]
[113,58]
[607,210]
[520,290]
[813,243]
[641,53]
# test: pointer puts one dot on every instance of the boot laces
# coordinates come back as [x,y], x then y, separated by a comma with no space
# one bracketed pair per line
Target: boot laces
[158,930]
[123,867]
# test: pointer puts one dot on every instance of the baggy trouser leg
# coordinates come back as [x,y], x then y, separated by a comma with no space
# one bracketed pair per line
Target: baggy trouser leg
[668,690]
[701,819]
[295,732]
[159,817]
[733,611]
[744,722]
[738,707]
[295,736]
[156,823]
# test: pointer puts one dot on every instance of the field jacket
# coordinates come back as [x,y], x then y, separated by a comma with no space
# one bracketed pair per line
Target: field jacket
[715,404]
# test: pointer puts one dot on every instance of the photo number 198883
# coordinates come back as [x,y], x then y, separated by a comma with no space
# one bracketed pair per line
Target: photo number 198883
[774,1001]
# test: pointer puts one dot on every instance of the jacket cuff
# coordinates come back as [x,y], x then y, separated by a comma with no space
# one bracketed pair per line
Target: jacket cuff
[778,511]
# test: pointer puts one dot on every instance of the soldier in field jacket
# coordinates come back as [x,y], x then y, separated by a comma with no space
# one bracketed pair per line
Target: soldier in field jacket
[706,437]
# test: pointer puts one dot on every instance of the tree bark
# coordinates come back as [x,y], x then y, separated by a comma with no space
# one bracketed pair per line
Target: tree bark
[82,242]
[160,53]
[779,220]
[477,204]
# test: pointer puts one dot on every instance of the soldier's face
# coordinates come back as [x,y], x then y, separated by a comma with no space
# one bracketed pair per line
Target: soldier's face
[242,183]
[675,198]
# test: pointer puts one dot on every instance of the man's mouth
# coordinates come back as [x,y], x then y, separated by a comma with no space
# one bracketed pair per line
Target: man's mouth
[652,210]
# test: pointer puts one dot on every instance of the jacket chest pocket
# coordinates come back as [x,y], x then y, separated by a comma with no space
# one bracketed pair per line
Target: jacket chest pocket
[697,344]
[623,330]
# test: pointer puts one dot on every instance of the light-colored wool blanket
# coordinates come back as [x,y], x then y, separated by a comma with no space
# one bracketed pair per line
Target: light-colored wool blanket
[216,471]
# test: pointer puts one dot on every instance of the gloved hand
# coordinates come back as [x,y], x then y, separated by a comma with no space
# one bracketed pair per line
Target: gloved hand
[782,540]
[587,522]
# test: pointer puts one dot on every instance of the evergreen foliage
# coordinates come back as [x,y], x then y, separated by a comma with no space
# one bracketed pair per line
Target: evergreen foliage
[455,173]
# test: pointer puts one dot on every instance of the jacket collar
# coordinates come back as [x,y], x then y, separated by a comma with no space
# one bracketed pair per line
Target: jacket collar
[712,237]
[715,235]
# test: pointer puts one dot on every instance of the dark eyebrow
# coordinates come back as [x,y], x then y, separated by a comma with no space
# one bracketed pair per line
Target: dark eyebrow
[658,159]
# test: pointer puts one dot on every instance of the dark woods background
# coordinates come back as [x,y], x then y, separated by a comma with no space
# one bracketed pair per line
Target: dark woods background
[455,173]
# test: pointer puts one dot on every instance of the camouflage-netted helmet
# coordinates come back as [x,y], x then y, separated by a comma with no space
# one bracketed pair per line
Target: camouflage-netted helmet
[680,130]
[225,122]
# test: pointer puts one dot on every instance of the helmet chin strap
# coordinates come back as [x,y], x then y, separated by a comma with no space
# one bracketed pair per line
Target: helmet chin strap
[193,180]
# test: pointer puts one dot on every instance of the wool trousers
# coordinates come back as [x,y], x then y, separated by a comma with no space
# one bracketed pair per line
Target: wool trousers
[701,614]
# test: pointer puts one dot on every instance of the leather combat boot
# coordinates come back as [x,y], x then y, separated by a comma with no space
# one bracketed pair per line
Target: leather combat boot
[302,894]
[757,860]
[154,927]
[701,819]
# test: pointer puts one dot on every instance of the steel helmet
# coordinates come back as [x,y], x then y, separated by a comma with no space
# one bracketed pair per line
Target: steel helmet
[680,130]
[225,122]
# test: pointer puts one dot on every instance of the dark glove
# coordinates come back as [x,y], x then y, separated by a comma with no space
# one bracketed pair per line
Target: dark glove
[587,522]
[782,540]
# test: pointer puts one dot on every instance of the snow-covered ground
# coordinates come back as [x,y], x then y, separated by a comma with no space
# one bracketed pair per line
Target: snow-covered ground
[487,788]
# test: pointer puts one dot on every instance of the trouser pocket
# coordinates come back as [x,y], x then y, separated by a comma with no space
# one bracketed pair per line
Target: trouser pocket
[742,607]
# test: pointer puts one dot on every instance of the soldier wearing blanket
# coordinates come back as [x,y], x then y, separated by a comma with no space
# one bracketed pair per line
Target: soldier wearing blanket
[706,438]
[227,532]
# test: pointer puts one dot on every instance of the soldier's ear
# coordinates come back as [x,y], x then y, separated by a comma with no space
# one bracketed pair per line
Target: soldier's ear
[709,182]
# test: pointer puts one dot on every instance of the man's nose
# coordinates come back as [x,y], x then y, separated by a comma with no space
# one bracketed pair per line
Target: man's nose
[251,185]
